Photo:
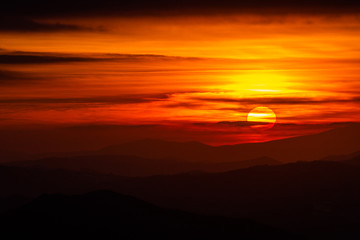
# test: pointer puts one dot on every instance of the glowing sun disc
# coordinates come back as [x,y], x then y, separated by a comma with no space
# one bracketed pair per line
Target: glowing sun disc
[261,118]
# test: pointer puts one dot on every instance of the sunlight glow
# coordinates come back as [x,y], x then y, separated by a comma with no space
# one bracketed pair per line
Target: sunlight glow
[261,118]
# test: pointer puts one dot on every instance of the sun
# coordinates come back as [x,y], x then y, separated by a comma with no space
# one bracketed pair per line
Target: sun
[261,118]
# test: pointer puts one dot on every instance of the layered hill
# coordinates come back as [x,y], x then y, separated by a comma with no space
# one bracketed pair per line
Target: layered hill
[109,215]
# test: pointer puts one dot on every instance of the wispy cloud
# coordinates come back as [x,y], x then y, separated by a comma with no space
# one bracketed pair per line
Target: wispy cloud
[21,57]
[42,8]
[40,59]
[119,99]
[16,77]
[278,100]
[20,24]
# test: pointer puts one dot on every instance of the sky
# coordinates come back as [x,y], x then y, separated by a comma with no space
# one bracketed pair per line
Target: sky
[191,70]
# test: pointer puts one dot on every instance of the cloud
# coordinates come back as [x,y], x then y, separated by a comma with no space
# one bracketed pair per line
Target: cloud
[278,100]
[10,77]
[323,115]
[285,125]
[38,59]
[119,99]
[240,123]
[190,105]
[56,8]
[20,24]
[20,57]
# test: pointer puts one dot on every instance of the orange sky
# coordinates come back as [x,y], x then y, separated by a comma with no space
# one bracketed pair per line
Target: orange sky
[190,72]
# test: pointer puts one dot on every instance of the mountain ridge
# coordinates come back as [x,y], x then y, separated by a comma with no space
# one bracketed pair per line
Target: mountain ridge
[109,215]
[342,140]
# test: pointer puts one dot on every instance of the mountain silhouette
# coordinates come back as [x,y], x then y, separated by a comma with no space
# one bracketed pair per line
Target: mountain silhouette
[154,157]
[109,215]
[340,158]
[338,141]
[136,166]
[13,201]
[318,199]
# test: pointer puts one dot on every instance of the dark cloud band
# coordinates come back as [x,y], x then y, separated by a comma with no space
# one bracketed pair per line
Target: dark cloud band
[20,24]
[42,8]
[18,57]
[120,99]
[278,100]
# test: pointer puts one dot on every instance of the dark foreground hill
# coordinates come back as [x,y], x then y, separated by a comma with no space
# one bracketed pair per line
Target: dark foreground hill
[109,215]
[318,199]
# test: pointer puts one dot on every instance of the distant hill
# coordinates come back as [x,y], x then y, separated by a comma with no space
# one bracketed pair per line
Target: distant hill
[354,160]
[341,158]
[109,215]
[136,166]
[338,141]
[315,198]
[10,202]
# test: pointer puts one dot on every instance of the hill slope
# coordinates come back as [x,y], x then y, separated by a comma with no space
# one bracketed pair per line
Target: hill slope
[136,166]
[338,141]
[108,215]
[300,196]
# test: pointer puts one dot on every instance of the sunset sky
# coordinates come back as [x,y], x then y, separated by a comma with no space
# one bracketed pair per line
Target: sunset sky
[194,70]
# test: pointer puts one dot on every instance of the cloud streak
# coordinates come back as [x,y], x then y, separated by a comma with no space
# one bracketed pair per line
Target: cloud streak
[11,77]
[120,99]
[39,59]
[42,8]
[20,24]
[20,57]
[278,100]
